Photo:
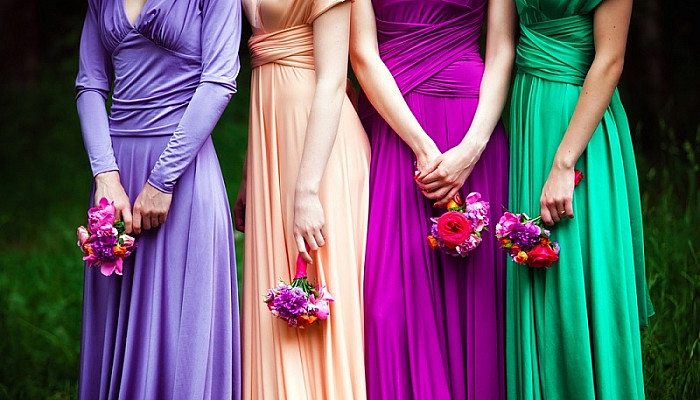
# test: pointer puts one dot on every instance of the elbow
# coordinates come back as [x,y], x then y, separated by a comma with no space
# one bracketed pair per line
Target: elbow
[611,66]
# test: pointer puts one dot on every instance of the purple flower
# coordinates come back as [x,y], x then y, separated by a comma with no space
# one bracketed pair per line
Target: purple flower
[290,302]
[525,236]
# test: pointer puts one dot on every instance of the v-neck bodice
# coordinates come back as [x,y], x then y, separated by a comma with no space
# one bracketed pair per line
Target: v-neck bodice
[158,62]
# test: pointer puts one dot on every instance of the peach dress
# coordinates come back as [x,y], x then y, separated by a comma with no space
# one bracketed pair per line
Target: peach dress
[324,361]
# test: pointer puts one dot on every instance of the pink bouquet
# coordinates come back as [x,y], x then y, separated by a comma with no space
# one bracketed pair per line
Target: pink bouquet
[299,304]
[104,243]
[526,241]
[458,231]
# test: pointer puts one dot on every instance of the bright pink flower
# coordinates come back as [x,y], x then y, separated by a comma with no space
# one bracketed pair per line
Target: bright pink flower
[109,267]
[507,223]
[102,215]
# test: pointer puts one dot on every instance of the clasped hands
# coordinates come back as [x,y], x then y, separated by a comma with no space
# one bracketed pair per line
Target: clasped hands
[440,176]
[150,208]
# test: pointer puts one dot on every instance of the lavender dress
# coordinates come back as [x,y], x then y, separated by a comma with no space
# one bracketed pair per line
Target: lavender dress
[168,328]
[433,323]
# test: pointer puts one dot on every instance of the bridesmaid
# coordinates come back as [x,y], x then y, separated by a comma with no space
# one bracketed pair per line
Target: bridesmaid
[168,328]
[434,323]
[307,184]
[573,330]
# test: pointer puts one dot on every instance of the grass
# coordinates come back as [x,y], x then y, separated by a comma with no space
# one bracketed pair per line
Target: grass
[47,180]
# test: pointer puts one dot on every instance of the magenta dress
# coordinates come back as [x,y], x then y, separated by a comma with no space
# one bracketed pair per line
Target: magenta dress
[168,328]
[433,322]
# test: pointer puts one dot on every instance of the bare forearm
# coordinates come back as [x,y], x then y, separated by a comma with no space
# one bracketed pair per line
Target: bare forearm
[381,90]
[321,133]
[596,93]
[492,97]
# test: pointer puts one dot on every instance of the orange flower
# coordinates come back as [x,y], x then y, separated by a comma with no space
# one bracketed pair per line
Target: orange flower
[452,204]
[88,249]
[504,242]
[432,242]
[119,251]
[521,258]
[545,241]
[515,249]
[304,320]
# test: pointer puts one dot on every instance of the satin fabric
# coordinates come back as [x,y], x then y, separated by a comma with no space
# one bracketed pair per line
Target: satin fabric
[325,360]
[573,331]
[434,323]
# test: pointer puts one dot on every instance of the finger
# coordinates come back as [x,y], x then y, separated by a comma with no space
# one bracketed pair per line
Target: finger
[162,218]
[437,194]
[126,215]
[319,238]
[553,212]
[117,213]
[428,168]
[546,216]
[310,240]
[569,207]
[431,187]
[146,222]
[155,221]
[435,175]
[301,247]
[137,221]
[449,196]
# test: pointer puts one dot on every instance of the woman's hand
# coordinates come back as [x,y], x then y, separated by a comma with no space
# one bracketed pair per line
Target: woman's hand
[556,201]
[309,223]
[425,159]
[109,186]
[449,171]
[151,208]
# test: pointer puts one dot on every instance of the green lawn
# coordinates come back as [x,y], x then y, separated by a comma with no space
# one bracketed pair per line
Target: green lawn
[46,186]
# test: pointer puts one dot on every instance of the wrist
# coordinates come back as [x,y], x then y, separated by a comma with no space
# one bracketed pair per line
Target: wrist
[306,190]
[425,147]
[107,177]
[564,162]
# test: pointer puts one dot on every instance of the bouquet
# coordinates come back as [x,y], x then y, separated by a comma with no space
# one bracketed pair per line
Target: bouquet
[526,240]
[104,243]
[299,304]
[458,231]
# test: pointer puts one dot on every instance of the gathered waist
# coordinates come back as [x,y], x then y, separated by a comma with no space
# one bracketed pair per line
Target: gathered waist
[559,50]
[292,47]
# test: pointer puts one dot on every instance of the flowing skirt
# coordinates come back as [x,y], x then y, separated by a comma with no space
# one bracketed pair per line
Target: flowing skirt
[168,328]
[434,323]
[573,331]
[325,360]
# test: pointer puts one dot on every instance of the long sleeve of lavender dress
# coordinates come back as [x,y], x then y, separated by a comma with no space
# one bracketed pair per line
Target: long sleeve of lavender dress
[220,64]
[93,85]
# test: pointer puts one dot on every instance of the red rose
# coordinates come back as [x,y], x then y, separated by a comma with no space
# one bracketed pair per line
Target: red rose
[541,256]
[454,228]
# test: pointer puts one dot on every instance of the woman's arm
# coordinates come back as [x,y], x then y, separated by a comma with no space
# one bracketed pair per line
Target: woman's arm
[92,85]
[331,32]
[610,25]
[450,170]
[221,33]
[380,87]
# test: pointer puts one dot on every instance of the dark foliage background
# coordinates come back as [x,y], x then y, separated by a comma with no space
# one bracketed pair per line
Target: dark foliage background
[46,180]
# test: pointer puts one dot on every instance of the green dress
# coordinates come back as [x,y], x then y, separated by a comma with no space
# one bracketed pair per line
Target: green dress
[573,331]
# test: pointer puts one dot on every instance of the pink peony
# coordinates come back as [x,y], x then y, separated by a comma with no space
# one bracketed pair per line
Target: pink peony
[101,215]
[507,223]
[322,304]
